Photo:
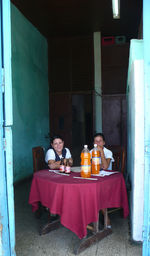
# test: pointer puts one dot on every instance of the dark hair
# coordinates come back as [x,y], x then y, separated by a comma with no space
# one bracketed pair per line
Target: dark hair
[99,134]
[56,137]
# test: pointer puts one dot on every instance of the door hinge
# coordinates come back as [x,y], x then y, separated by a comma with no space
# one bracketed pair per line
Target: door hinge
[4,144]
[3,80]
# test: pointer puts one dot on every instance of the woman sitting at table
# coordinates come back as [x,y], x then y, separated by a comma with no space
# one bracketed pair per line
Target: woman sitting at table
[58,151]
[106,156]
[106,159]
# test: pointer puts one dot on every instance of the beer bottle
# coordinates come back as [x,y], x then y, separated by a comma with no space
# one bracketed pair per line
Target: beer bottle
[62,165]
[68,168]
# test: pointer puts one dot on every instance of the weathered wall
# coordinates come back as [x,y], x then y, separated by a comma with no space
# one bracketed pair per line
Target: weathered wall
[30,92]
[135,131]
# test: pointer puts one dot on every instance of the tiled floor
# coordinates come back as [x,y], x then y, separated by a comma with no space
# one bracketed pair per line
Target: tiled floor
[62,241]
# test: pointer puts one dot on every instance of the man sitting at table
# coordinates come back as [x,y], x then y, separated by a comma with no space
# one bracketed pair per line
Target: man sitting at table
[106,159]
[54,154]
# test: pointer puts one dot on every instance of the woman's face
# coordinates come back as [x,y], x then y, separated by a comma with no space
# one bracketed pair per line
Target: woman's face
[58,145]
[99,141]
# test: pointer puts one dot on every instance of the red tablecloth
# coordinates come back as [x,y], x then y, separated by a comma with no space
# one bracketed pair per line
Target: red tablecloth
[77,201]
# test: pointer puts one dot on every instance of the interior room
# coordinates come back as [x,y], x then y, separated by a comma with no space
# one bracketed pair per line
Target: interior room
[68,69]
[69,77]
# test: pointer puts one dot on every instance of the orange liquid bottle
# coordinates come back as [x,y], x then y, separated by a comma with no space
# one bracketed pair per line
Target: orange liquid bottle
[95,160]
[85,163]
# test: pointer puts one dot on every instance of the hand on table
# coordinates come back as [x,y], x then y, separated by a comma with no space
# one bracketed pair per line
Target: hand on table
[54,165]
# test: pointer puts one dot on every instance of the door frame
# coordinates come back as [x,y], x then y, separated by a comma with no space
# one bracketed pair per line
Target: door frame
[7,220]
[146,41]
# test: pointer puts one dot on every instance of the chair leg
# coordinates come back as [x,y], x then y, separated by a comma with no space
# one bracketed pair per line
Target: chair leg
[39,211]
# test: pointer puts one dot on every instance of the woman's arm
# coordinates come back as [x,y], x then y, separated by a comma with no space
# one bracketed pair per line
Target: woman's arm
[68,156]
[104,161]
[52,164]
[56,165]
[70,161]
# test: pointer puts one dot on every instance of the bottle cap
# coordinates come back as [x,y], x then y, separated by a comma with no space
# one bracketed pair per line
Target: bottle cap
[85,146]
[95,145]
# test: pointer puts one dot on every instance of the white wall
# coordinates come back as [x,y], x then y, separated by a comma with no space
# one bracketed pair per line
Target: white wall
[136,145]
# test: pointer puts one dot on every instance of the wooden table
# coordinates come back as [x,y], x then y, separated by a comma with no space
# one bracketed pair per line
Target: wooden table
[78,202]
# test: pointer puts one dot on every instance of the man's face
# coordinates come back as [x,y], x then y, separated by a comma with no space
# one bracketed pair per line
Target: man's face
[99,141]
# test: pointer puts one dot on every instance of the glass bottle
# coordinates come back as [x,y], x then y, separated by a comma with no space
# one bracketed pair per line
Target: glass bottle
[85,163]
[62,165]
[68,168]
[95,160]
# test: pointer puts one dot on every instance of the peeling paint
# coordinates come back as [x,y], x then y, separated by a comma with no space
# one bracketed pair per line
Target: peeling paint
[1,228]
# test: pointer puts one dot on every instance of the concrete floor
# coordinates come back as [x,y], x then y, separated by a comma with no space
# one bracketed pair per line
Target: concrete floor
[62,241]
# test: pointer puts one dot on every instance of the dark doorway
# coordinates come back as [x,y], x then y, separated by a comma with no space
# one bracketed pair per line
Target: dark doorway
[82,123]
[71,116]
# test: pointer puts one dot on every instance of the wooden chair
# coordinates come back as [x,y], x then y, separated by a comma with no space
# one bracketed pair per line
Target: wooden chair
[119,156]
[38,158]
[39,164]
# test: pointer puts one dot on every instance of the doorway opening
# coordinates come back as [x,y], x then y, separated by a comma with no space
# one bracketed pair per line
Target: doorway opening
[71,111]
[71,116]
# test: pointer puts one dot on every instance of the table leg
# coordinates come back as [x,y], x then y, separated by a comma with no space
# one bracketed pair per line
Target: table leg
[52,224]
[105,218]
[96,225]
[95,236]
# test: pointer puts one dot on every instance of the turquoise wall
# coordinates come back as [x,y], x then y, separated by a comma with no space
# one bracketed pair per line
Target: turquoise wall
[30,92]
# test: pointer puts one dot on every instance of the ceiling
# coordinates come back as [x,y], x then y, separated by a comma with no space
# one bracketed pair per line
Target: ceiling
[79,17]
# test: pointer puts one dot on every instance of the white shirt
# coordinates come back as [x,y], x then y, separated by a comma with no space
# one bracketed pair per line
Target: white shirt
[107,154]
[50,155]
